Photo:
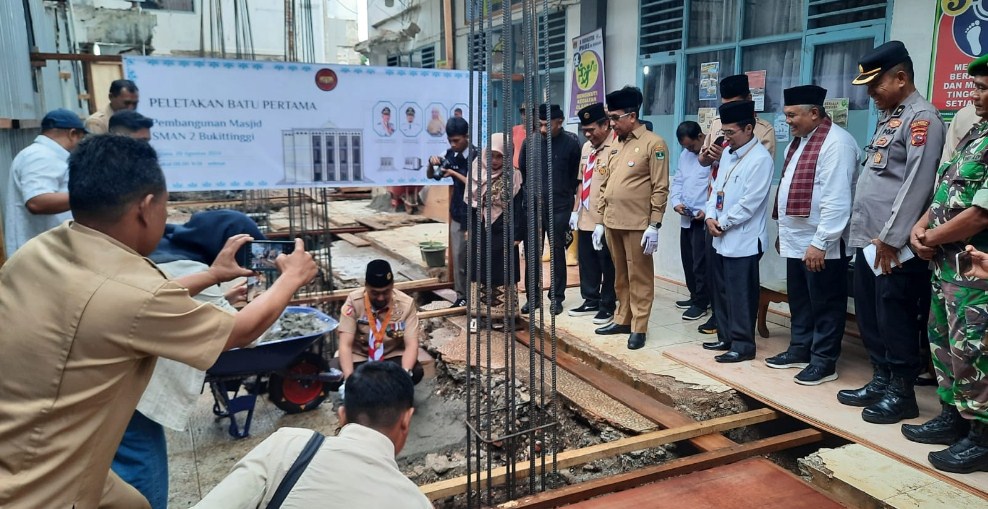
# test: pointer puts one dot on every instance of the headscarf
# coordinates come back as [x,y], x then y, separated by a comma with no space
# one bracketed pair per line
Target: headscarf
[479,177]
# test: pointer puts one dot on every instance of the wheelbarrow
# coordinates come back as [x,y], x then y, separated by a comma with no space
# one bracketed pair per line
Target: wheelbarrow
[296,378]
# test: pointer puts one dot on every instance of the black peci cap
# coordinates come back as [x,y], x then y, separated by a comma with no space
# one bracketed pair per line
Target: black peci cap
[804,94]
[734,86]
[592,114]
[736,111]
[554,112]
[379,274]
[628,98]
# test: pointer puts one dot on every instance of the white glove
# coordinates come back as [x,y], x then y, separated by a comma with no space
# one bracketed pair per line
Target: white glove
[650,240]
[574,217]
[598,237]
[342,389]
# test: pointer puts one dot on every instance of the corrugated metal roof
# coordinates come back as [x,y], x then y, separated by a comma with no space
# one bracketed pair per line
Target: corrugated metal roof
[17,98]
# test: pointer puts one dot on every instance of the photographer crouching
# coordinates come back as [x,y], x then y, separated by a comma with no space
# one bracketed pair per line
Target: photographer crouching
[454,164]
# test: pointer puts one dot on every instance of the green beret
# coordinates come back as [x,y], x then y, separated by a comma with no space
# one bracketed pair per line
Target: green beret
[978,66]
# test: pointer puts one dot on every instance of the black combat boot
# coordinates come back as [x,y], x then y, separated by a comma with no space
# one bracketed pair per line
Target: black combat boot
[946,428]
[970,454]
[898,403]
[870,393]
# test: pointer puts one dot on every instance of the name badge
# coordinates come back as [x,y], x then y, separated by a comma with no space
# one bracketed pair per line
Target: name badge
[720,200]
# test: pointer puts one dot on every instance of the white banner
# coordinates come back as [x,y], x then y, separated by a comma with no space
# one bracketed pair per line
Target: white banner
[234,124]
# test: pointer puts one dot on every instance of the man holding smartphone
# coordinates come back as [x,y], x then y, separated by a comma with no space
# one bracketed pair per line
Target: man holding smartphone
[689,194]
[958,216]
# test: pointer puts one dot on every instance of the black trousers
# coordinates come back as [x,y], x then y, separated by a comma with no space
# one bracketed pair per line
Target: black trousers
[735,292]
[818,304]
[557,288]
[712,284]
[892,312]
[596,273]
[693,252]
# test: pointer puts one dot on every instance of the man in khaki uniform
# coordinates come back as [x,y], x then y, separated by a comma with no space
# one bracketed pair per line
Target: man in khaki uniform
[78,355]
[633,197]
[596,267]
[732,89]
[123,96]
[379,323]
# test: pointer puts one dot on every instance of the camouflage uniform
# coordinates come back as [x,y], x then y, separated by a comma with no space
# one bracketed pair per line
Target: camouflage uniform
[959,309]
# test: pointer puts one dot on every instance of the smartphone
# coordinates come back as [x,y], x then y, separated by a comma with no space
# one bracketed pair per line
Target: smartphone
[688,212]
[260,254]
[719,141]
[964,263]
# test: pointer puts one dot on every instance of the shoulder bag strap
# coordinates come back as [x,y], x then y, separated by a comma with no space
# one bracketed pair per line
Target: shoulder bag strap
[295,471]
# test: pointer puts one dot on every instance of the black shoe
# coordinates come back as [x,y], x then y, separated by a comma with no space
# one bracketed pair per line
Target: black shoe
[710,327]
[870,393]
[787,360]
[684,304]
[603,317]
[694,313]
[734,357]
[969,454]
[814,375]
[946,428]
[556,307]
[717,345]
[613,328]
[584,309]
[636,340]
[899,403]
[527,308]
[459,303]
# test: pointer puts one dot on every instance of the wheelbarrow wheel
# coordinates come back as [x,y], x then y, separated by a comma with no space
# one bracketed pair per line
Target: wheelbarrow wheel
[293,391]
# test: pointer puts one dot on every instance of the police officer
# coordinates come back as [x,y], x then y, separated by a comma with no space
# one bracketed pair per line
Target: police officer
[633,196]
[891,288]
[455,163]
[958,217]
[379,323]
[410,127]
[596,267]
[384,125]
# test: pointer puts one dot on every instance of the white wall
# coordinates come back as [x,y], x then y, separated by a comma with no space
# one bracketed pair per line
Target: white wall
[621,44]
[912,23]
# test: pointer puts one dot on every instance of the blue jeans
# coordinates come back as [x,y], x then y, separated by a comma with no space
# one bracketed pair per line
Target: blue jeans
[142,459]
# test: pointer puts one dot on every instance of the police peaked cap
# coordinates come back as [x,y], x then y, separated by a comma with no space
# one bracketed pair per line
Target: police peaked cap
[804,94]
[879,60]
[554,112]
[627,99]
[386,110]
[734,86]
[737,111]
[592,114]
[457,126]
[379,274]
[409,111]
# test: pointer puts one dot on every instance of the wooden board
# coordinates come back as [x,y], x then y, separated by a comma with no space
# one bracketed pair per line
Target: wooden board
[681,466]
[353,240]
[819,407]
[419,285]
[566,459]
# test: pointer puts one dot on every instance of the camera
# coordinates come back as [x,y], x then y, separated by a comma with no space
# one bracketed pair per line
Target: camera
[436,173]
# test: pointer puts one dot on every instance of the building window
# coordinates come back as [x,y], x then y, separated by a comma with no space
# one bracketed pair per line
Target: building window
[659,90]
[170,5]
[394,61]
[693,61]
[834,66]
[780,61]
[827,13]
[772,17]
[661,26]
[713,22]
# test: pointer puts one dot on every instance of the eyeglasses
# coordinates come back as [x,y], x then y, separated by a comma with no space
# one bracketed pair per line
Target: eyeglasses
[728,132]
[615,118]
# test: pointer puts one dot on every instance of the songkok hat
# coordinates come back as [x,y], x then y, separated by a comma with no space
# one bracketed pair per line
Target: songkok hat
[628,98]
[379,274]
[804,94]
[554,112]
[61,119]
[457,126]
[734,86]
[592,114]
[979,66]
[737,111]
[879,60]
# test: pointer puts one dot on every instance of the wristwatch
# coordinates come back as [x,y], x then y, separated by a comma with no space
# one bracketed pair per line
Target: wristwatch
[656,225]
[410,373]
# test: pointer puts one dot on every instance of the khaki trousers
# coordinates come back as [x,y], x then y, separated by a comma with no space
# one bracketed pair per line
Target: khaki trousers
[634,277]
[117,494]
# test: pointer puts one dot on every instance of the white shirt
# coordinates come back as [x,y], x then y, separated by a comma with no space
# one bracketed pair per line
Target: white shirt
[689,185]
[355,469]
[41,168]
[830,208]
[745,177]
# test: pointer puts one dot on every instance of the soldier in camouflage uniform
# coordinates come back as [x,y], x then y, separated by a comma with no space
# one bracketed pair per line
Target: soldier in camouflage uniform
[959,309]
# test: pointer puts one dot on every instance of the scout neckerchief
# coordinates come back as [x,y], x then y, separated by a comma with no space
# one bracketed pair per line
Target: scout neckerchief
[587,177]
[720,193]
[801,187]
[375,339]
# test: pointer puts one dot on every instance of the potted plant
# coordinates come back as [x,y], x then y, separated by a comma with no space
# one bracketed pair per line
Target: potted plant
[433,253]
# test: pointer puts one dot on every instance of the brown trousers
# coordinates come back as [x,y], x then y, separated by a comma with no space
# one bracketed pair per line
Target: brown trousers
[634,278]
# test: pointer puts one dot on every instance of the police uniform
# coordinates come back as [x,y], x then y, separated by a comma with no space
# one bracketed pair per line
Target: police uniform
[959,308]
[596,267]
[404,323]
[633,196]
[892,192]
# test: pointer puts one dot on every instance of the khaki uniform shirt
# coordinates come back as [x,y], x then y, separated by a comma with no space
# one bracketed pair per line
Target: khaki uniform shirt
[900,168]
[965,118]
[355,469]
[635,187]
[84,318]
[763,131]
[588,218]
[404,323]
[99,122]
